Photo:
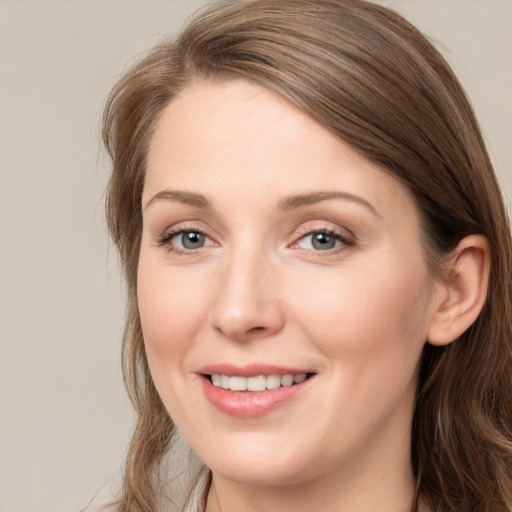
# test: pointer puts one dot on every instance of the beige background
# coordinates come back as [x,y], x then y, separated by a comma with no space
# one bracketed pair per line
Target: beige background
[64,418]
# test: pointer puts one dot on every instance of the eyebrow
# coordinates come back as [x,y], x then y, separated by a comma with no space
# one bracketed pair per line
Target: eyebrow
[287,203]
[296,201]
[190,198]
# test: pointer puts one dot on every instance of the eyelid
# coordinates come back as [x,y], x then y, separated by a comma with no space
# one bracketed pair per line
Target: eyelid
[308,228]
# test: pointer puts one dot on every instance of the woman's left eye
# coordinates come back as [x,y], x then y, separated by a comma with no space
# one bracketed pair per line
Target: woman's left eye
[322,241]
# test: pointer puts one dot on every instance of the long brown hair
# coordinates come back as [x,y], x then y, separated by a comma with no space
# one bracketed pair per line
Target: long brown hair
[377,83]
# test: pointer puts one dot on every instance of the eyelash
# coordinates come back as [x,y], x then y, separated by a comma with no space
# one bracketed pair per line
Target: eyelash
[345,242]
[165,240]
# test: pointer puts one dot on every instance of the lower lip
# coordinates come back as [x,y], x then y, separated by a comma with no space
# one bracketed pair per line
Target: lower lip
[247,404]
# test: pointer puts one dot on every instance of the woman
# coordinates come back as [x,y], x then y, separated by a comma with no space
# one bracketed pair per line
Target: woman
[317,257]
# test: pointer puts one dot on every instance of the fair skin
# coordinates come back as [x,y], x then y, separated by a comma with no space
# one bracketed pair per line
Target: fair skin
[270,247]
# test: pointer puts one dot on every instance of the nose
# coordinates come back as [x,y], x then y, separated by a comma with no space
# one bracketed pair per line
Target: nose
[247,304]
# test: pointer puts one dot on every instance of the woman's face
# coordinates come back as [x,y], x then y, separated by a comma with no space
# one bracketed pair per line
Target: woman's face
[271,254]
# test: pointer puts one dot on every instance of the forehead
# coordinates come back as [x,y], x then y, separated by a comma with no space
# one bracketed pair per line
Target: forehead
[237,138]
[233,120]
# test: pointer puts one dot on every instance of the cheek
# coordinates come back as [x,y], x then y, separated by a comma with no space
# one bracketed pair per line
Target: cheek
[364,313]
[172,309]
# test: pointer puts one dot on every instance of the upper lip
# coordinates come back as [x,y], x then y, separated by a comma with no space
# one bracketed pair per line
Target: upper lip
[251,370]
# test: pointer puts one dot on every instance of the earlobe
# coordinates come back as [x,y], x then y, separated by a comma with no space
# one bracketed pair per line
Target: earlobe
[465,285]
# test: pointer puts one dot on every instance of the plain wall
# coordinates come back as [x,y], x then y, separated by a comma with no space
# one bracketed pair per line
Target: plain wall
[64,417]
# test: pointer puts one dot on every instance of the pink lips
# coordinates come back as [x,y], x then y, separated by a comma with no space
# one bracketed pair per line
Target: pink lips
[247,404]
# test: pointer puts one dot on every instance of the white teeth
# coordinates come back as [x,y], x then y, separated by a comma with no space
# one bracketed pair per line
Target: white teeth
[286,380]
[224,382]
[297,379]
[259,383]
[273,381]
[237,383]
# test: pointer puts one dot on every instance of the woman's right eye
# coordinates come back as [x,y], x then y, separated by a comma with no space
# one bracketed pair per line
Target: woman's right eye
[186,240]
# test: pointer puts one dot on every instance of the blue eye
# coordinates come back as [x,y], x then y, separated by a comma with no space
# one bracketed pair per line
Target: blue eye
[189,240]
[321,241]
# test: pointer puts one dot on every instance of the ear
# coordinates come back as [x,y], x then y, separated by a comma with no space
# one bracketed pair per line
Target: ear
[464,290]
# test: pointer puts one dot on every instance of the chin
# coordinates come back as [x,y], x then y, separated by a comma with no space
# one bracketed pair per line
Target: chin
[253,460]
[271,473]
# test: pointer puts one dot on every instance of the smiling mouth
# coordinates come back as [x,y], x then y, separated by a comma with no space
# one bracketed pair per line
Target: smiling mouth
[258,383]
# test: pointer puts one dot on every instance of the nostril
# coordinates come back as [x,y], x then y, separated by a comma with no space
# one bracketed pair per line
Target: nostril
[256,329]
